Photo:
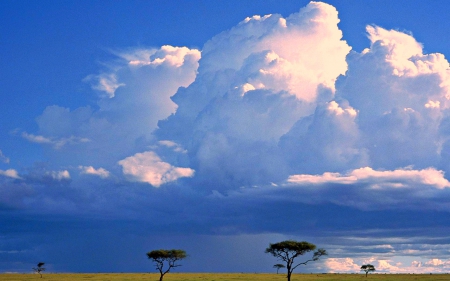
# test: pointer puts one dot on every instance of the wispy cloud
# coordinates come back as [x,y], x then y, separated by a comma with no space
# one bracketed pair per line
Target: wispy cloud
[3,158]
[105,82]
[57,143]
[170,144]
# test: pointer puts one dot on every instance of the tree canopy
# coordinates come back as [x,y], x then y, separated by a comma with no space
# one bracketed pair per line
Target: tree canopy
[169,257]
[39,268]
[278,266]
[367,268]
[288,250]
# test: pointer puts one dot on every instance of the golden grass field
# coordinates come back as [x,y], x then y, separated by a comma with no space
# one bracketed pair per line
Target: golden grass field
[218,277]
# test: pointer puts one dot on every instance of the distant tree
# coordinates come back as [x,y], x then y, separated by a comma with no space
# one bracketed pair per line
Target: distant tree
[39,268]
[278,266]
[169,257]
[367,268]
[288,250]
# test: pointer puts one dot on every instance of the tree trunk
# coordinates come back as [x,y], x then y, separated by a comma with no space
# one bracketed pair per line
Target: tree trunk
[289,272]
[161,277]
[366,273]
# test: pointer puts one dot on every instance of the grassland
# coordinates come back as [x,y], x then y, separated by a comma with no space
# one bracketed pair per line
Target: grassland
[220,277]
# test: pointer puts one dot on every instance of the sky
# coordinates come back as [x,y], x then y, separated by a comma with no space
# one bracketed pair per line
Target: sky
[219,127]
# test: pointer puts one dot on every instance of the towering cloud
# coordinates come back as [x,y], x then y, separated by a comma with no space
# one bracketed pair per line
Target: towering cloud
[274,116]
[271,100]
[402,97]
[255,82]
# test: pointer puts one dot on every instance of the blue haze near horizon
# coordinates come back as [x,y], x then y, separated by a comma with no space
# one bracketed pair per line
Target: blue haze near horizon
[71,190]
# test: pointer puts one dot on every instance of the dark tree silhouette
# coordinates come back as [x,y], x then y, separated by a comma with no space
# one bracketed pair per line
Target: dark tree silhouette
[288,250]
[367,268]
[278,266]
[39,268]
[169,257]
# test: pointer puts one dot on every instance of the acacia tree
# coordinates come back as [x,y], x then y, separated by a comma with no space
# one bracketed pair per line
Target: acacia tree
[288,250]
[278,266]
[367,268]
[169,257]
[39,268]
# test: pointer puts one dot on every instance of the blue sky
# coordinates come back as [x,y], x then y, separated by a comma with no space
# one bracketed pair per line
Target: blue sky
[219,127]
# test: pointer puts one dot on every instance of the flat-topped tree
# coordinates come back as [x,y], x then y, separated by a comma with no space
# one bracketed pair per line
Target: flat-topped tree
[288,250]
[278,266]
[39,268]
[367,268]
[169,257]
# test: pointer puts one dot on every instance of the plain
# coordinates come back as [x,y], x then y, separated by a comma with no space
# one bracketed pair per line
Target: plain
[219,277]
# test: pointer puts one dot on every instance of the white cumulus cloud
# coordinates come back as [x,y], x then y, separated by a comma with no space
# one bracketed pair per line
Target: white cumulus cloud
[89,170]
[395,178]
[59,175]
[254,82]
[148,167]
[260,46]
[341,265]
[278,101]
[11,173]
[138,84]
[382,265]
